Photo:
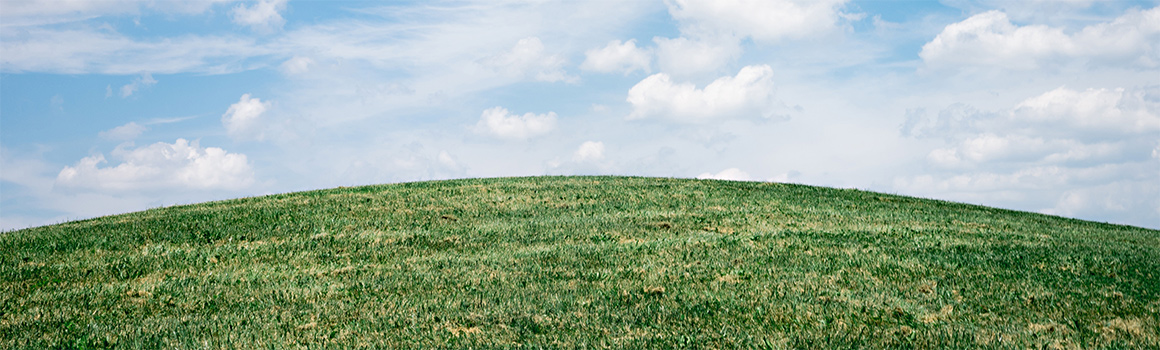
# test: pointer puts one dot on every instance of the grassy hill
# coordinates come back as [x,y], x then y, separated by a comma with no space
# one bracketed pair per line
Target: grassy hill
[580,262]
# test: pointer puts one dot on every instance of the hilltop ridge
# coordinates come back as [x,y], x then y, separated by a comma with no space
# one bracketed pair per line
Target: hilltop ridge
[581,262]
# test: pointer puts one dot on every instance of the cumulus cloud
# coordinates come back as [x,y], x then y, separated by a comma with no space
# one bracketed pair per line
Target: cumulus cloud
[145,80]
[1063,150]
[618,56]
[182,165]
[243,119]
[500,123]
[264,15]
[124,132]
[733,174]
[748,94]
[529,59]
[761,20]
[1060,126]
[712,30]
[990,39]
[589,151]
[1095,111]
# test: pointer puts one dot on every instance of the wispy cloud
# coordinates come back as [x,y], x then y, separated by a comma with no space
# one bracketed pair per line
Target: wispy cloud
[125,132]
[79,51]
[145,80]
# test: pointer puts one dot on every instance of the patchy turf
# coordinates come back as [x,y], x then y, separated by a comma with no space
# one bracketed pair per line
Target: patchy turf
[581,262]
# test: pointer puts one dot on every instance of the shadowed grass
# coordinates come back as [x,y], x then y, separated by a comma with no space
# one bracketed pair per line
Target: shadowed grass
[581,262]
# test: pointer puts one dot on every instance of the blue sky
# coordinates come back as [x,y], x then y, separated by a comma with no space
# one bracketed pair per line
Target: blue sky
[114,106]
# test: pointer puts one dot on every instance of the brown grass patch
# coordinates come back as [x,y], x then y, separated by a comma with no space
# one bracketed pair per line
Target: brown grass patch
[461,331]
[1118,326]
[928,288]
[343,270]
[942,315]
[725,230]
[1047,328]
[138,293]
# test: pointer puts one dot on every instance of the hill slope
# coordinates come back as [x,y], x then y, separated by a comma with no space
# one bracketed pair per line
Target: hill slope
[580,262]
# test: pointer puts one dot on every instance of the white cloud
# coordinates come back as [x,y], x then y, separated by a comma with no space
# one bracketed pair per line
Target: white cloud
[712,30]
[989,147]
[499,122]
[992,148]
[589,151]
[265,15]
[124,132]
[296,65]
[990,39]
[145,80]
[182,165]
[72,51]
[1090,115]
[761,20]
[243,119]
[1094,110]
[528,59]
[733,174]
[749,94]
[1058,127]
[684,57]
[618,56]
[1068,152]
[25,13]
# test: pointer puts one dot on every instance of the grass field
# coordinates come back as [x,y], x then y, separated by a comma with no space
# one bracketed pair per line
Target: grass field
[580,262]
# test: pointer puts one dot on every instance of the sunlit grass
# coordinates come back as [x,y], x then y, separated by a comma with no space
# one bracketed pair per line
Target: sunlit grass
[581,262]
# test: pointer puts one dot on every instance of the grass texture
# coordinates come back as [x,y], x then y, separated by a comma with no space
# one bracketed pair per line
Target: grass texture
[578,263]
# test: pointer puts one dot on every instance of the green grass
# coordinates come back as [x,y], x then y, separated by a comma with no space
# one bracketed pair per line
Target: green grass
[580,262]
